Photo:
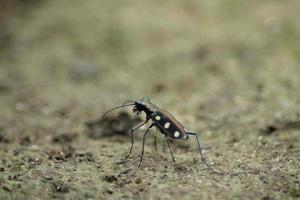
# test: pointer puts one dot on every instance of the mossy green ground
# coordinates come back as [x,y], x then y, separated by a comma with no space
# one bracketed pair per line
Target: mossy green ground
[227,69]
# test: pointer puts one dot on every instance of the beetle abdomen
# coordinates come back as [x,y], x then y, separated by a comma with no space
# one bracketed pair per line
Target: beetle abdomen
[168,125]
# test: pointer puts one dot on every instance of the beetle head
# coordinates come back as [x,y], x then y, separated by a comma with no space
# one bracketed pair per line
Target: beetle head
[144,104]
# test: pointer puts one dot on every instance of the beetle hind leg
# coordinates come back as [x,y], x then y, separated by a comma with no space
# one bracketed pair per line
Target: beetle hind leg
[169,146]
[200,152]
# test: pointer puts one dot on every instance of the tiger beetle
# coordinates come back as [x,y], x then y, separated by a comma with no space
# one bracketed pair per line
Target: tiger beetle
[163,121]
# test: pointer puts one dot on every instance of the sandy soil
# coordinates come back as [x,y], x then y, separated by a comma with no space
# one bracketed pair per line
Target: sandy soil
[229,70]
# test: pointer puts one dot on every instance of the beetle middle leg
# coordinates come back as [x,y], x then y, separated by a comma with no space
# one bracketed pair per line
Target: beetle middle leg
[132,140]
[144,137]
[155,140]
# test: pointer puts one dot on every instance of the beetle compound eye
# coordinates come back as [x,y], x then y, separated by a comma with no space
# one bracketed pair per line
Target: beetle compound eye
[145,99]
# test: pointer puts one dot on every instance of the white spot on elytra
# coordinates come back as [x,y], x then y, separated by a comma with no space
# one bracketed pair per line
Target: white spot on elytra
[176,134]
[157,118]
[167,125]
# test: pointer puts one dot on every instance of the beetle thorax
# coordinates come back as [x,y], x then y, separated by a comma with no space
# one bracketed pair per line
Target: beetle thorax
[146,107]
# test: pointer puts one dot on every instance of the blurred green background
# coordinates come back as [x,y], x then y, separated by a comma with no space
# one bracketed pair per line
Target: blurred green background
[186,50]
[226,68]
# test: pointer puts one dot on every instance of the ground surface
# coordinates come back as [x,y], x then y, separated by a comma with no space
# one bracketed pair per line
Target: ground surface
[227,69]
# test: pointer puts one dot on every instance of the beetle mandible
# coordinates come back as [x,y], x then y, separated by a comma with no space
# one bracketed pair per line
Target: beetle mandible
[163,121]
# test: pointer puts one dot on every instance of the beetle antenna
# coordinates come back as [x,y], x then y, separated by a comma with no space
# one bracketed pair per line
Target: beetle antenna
[128,102]
[122,106]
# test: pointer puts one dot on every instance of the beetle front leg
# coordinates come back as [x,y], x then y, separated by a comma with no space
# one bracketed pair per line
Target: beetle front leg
[132,140]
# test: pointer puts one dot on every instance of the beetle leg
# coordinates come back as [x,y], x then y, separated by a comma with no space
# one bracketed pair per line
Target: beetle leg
[200,151]
[164,145]
[144,137]
[132,141]
[155,142]
[170,150]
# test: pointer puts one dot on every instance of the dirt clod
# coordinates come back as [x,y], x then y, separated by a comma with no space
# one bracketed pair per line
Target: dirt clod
[109,191]
[281,126]
[60,186]
[110,178]
[121,124]
[7,188]
[64,138]
[85,157]
[65,153]
[138,181]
